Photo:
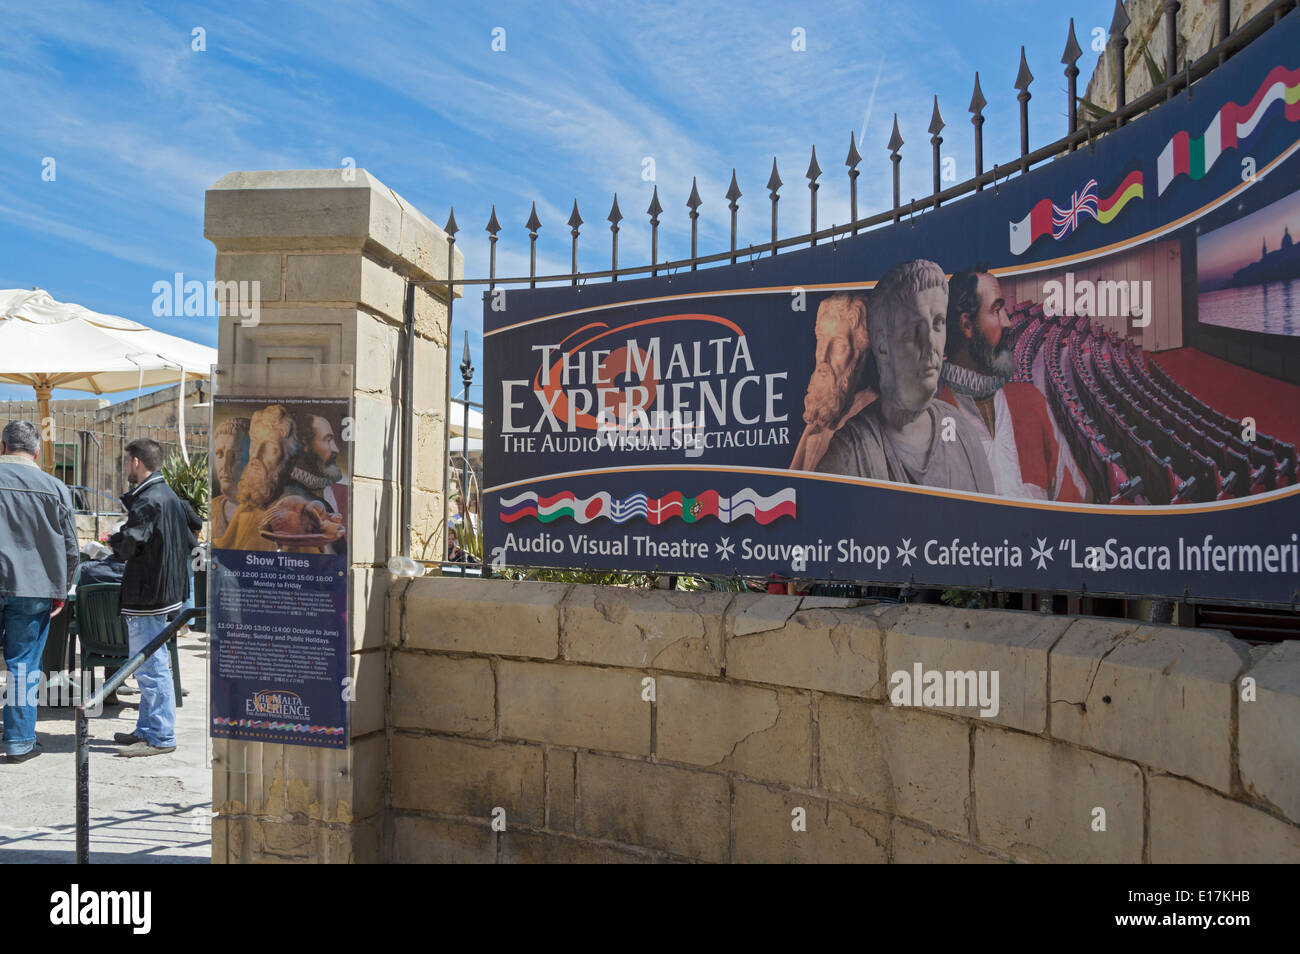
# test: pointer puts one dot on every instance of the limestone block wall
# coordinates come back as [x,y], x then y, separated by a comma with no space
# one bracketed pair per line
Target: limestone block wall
[542,722]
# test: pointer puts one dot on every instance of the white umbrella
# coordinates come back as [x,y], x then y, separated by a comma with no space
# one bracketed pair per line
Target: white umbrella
[49,344]
[456,417]
[475,445]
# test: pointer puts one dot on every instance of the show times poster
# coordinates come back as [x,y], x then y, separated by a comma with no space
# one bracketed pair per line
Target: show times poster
[278,612]
[1025,389]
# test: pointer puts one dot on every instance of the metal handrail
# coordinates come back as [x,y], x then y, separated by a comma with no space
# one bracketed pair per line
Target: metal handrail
[95,702]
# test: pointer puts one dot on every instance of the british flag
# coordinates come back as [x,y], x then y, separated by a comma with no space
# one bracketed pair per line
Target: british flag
[1083,202]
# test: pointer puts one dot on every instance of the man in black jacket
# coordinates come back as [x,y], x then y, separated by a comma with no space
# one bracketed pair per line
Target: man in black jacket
[156,543]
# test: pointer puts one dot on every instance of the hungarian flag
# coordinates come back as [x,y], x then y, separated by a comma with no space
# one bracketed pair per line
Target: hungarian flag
[1233,127]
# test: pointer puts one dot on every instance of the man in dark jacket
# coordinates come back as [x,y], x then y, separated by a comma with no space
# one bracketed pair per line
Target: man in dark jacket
[38,554]
[155,542]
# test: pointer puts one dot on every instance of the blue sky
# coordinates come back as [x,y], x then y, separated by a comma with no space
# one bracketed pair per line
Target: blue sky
[139,124]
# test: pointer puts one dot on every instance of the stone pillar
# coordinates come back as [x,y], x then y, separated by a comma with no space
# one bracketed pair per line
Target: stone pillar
[333,250]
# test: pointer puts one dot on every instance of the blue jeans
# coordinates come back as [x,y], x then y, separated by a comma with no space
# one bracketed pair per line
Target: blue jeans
[156,723]
[24,624]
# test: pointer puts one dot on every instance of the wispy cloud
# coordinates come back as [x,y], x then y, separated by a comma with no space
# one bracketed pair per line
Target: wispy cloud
[111,245]
[141,124]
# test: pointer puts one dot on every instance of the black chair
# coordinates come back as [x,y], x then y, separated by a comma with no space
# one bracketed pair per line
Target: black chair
[58,645]
[103,635]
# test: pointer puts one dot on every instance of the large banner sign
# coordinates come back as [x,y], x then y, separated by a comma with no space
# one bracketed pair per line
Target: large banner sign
[278,613]
[1005,392]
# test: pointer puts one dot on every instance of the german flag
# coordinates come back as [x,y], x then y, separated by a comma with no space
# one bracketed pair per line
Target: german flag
[1129,188]
[1047,218]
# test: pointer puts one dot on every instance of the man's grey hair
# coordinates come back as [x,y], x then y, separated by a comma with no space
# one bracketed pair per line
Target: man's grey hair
[896,291]
[22,436]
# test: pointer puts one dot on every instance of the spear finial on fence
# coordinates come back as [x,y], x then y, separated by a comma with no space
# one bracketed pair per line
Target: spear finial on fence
[615,216]
[466,367]
[493,227]
[575,222]
[936,127]
[977,104]
[813,172]
[451,228]
[1118,24]
[654,212]
[1023,79]
[733,194]
[773,185]
[694,202]
[1070,59]
[533,224]
[895,143]
[852,160]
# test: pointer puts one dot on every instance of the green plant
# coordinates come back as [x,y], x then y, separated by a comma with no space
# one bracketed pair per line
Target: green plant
[189,481]
[1094,111]
[965,599]
[594,577]
[1156,71]
[470,541]
[723,584]
[1153,69]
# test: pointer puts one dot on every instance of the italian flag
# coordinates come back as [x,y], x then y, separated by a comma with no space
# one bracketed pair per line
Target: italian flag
[1229,129]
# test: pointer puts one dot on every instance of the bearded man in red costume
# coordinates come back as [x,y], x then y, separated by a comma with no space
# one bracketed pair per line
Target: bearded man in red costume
[1026,450]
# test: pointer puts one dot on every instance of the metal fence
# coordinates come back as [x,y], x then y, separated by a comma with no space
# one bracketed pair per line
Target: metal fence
[90,446]
[1080,133]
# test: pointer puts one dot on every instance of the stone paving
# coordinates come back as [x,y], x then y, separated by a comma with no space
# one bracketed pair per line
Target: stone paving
[152,810]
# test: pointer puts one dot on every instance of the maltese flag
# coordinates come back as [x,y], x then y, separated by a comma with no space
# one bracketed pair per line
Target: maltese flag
[1032,227]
